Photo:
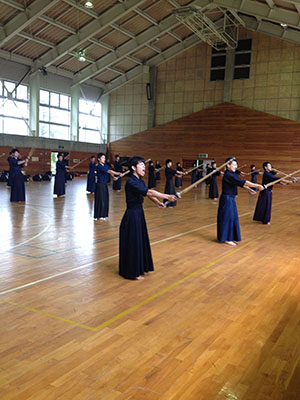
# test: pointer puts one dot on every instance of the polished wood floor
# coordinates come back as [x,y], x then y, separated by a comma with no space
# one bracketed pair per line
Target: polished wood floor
[211,322]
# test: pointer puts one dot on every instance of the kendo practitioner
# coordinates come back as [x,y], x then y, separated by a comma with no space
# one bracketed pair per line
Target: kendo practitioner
[151,175]
[9,160]
[208,171]
[135,252]
[253,174]
[194,176]
[101,203]
[157,169]
[228,221]
[118,168]
[91,178]
[108,163]
[264,202]
[169,187]
[213,185]
[60,176]
[178,179]
[17,178]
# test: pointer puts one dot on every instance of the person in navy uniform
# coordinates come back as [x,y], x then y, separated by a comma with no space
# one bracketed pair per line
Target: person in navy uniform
[264,202]
[17,178]
[228,228]
[151,175]
[169,187]
[91,178]
[118,168]
[60,176]
[253,174]
[9,160]
[101,203]
[178,179]
[157,169]
[135,257]
[213,185]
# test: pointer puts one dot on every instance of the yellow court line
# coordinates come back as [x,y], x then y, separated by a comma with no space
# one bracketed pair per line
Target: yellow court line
[145,301]
[116,255]
[45,314]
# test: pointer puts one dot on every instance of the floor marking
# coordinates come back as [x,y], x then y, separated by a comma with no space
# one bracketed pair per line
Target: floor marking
[35,236]
[145,301]
[117,255]
[179,282]
[45,314]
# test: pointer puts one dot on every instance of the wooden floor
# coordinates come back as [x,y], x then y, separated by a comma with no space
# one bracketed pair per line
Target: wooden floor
[211,322]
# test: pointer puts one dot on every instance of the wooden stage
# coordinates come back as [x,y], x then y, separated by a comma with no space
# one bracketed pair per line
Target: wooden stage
[211,322]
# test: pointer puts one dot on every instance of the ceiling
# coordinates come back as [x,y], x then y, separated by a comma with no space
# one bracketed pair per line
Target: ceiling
[121,38]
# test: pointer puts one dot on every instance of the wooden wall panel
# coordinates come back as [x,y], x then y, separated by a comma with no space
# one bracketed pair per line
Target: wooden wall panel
[221,131]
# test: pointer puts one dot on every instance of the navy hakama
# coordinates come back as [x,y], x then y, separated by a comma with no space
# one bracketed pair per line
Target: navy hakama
[91,178]
[213,186]
[101,203]
[60,178]
[17,181]
[135,253]
[9,181]
[151,177]
[194,176]
[254,178]
[264,202]
[178,180]
[228,221]
[118,183]
[169,186]
[157,174]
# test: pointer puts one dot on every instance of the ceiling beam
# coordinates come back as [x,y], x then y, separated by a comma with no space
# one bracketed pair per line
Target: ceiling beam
[154,61]
[129,47]
[146,16]
[14,4]
[262,11]
[88,31]
[36,39]
[24,19]
[269,29]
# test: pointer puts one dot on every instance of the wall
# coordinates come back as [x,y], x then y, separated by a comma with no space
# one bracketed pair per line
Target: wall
[128,112]
[221,131]
[274,84]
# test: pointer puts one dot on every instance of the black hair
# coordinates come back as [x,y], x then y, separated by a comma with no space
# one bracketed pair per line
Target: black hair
[14,150]
[168,160]
[117,155]
[213,162]
[93,157]
[265,164]
[177,164]
[133,161]
[230,159]
[252,166]
[99,155]
[60,154]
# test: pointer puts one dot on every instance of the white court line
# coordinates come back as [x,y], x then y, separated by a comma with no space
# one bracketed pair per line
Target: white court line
[35,236]
[116,255]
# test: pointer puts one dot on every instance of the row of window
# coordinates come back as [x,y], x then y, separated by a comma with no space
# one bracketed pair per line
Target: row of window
[242,60]
[55,113]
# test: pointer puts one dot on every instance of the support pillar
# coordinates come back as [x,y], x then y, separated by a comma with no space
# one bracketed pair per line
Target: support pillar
[34,103]
[229,69]
[152,101]
[74,128]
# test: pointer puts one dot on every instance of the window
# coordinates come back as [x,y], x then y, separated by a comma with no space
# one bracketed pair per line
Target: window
[217,65]
[242,61]
[90,122]
[14,108]
[54,115]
